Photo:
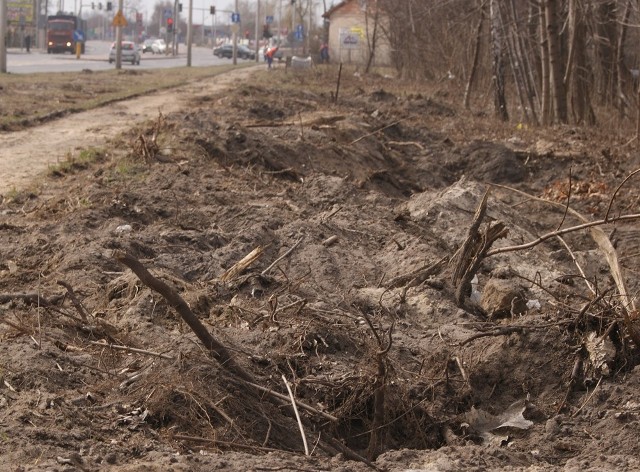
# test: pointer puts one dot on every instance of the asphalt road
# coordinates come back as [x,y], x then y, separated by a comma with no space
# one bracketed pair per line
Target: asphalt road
[96,58]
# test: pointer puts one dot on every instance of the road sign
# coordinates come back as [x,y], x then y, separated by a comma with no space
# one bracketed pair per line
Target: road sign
[299,34]
[78,36]
[119,19]
[269,19]
[235,17]
[166,13]
[348,39]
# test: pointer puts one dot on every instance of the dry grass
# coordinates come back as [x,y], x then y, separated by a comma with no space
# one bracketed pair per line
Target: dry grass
[32,98]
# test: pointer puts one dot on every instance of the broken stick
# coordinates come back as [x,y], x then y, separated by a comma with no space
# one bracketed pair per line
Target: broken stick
[217,350]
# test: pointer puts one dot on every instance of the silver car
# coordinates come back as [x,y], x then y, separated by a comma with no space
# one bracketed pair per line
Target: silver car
[130,53]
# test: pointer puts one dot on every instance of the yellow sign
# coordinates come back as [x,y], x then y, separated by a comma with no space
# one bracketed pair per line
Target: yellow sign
[357,30]
[119,19]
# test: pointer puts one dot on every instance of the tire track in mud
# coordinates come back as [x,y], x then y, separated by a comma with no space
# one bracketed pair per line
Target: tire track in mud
[26,154]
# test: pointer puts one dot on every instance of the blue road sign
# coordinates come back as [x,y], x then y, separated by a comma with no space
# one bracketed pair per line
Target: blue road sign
[166,13]
[299,28]
[78,36]
[235,17]
[269,19]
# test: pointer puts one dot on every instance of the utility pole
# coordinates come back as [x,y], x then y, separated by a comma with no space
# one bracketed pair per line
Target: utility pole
[176,26]
[310,13]
[257,30]
[235,37]
[213,29]
[3,34]
[189,33]
[119,38]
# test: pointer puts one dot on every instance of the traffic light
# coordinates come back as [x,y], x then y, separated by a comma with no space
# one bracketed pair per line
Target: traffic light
[109,6]
[169,25]
[212,10]
[93,5]
[179,7]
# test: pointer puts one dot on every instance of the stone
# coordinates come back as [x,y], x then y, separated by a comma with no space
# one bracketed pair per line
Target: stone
[503,298]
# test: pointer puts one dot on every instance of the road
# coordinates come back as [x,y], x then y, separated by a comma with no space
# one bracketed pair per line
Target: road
[96,58]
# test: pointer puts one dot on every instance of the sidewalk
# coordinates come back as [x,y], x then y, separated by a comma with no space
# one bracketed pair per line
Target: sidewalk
[22,51]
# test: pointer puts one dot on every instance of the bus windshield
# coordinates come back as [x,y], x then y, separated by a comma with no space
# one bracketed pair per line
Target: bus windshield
[60,26]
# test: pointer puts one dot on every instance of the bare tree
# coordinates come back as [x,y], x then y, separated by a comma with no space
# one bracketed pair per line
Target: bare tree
[556,82]
[473,72]
[577,76]
[497,50]
[372,36]
[555,59]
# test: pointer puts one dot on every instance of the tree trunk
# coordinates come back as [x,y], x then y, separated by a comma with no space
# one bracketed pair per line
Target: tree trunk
[555,63]
[497,41]
[520,64]
[545,79]
[372,38]
[621,73]
[577,75]
[605,41]
[476,56]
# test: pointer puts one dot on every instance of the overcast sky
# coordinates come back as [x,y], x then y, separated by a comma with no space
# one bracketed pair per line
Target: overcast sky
[200,7]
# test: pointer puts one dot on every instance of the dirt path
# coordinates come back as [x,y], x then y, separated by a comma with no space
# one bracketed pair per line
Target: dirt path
[25,154]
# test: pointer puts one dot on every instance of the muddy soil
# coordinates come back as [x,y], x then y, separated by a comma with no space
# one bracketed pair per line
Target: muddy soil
[328,245]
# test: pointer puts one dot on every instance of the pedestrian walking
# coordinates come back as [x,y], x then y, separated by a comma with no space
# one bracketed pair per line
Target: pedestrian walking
[324,53]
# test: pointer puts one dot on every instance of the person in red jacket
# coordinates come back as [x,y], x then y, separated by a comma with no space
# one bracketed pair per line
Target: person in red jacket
[270,53]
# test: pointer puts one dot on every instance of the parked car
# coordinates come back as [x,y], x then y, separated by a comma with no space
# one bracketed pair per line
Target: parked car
[227,51]
[130,52]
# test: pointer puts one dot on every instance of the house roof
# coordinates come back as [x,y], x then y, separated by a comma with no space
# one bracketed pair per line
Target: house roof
[331,10]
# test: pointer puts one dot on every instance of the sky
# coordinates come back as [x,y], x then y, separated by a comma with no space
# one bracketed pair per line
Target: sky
[200,7]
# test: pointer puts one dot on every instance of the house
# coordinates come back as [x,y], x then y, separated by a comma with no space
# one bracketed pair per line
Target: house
[351,31]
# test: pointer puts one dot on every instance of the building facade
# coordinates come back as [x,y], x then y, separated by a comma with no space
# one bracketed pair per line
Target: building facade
[352,25]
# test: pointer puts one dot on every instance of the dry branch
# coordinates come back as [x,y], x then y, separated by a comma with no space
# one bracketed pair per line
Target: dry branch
[217,350]
[473,251]
[418,276]
[131,349]
[76,303]
[319,121]
[376,131]
[231,445]
[242,264]
[273,264]
[597,234]
[295,410]
[298,402]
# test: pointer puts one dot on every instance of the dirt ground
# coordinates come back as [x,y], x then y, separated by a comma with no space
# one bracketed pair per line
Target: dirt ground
[329,244]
